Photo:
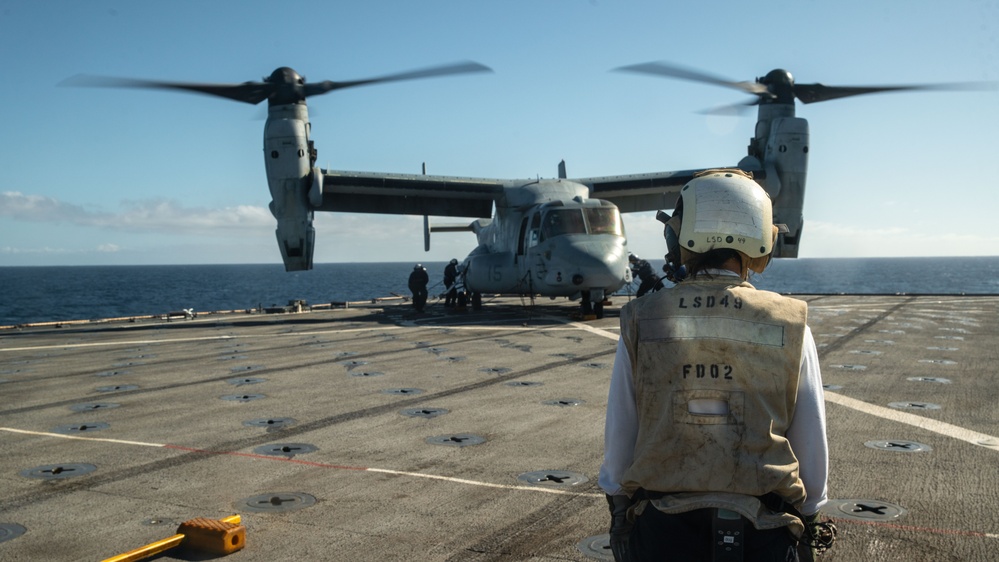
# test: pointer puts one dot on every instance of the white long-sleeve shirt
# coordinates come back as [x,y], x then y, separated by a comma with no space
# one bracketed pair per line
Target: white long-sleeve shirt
[806,433]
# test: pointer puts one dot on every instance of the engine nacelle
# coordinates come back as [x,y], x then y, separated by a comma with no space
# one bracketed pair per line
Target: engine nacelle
[787,155]
[287,153]
[292,181]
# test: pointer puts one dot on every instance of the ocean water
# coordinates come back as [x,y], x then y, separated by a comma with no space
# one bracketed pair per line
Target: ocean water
[46,294]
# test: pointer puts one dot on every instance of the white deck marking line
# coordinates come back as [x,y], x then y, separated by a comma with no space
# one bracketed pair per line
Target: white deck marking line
[314,332]
[486,484]
[108,344]
[598,331]
[205,338]
[942,428]
[580,326]
[79,438]
[323,465]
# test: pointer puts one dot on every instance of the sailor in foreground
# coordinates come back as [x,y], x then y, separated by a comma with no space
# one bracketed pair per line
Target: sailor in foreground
[715,439]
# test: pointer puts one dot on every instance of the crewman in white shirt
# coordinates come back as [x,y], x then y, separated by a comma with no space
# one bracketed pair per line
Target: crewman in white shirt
[715,439]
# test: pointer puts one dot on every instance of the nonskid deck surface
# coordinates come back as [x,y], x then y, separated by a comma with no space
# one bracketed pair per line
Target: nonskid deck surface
[373,433]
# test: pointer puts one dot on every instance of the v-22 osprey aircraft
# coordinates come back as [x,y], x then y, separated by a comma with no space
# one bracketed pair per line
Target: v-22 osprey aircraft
[558,237]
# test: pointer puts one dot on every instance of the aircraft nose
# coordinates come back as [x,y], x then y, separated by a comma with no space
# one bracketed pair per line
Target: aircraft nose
[587,264]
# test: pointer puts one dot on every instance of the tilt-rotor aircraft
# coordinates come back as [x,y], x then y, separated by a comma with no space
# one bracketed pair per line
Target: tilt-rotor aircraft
[556,237]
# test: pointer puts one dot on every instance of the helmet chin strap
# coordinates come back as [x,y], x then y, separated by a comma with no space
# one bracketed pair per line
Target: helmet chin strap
[671,232]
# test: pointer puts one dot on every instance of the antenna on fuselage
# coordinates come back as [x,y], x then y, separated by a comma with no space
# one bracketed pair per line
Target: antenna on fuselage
[561,170]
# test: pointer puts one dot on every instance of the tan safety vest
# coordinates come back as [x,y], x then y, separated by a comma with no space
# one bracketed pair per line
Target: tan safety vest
[722,343]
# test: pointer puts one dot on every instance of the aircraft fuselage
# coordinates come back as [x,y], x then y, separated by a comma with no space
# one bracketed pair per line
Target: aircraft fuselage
[547,238]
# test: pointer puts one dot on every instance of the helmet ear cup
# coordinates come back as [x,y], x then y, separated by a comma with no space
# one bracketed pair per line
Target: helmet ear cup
[671,234]
[761,263]
[671,229]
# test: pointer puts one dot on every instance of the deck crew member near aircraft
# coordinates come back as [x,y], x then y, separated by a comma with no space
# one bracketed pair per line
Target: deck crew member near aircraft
[643,271]
[715,438]
[450,283]
[418,280]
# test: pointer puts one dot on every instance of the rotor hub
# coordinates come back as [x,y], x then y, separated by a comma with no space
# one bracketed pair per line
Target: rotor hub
[285,75]
[777,76]
[288,87]
[780,84]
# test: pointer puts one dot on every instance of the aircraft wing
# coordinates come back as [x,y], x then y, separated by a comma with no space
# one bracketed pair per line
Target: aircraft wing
[640,192]
[405,194]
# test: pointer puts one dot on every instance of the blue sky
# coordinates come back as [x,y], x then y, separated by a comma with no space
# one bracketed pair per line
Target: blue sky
[96,176]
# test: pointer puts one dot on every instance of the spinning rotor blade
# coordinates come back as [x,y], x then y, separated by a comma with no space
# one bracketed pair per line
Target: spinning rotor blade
[730,110]
[249,92]
[778,86]
[283,86]
[810,93]
[674,71]
[456,68]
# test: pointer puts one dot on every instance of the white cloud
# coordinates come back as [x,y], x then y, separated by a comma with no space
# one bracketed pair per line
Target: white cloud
[153,215]
[50,251]
[16,205]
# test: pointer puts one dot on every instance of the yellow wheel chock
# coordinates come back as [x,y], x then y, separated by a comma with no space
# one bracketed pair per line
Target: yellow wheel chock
[221,536]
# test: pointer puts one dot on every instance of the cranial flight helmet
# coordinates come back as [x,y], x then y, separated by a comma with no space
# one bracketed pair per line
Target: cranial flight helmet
[721,209]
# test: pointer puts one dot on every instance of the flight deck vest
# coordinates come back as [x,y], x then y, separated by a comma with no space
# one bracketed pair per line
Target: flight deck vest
[715,366]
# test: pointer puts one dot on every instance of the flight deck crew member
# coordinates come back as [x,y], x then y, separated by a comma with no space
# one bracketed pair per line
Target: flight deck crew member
[450,283]
[715,439]
[418,280]
[644,272]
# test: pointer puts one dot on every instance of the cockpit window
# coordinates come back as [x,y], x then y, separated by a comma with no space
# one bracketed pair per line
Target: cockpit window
[598,220]
[562,221]
[604,220]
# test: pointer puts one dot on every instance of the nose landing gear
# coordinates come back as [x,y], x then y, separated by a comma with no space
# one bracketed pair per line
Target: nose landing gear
[591,308]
